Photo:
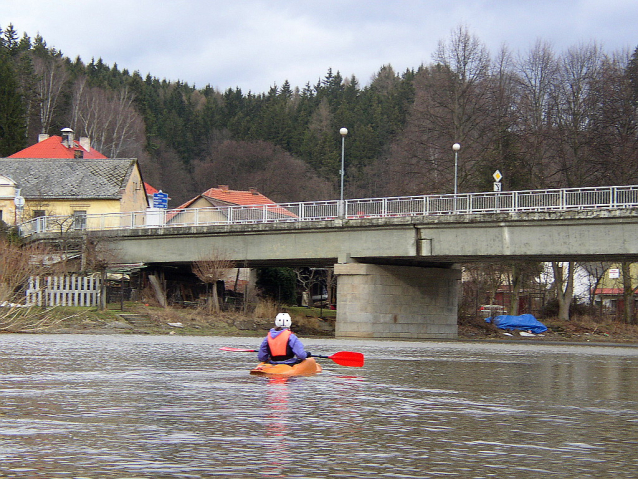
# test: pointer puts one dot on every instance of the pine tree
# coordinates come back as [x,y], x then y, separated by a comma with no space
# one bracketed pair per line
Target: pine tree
[12,111]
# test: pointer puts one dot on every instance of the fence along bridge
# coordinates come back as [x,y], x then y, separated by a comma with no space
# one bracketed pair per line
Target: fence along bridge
[565,199]
[394,257]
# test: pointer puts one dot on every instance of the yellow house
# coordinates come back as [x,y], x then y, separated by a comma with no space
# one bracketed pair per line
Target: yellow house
[69,187]
[610,288]
[62,176]
[8,194]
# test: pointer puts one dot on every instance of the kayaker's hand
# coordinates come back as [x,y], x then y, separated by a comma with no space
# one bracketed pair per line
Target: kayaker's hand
[308,354]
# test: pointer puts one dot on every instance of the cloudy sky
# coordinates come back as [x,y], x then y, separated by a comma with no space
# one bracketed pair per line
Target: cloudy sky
[254,44]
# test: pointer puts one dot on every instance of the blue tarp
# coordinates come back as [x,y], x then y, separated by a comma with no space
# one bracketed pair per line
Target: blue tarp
[524,322]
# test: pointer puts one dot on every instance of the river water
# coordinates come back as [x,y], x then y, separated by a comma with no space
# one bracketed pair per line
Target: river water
[120,406]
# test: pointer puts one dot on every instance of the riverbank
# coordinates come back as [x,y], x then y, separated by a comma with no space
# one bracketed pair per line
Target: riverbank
[138,318]
[575,330]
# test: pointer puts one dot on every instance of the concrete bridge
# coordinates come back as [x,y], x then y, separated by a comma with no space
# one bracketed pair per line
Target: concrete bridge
[397,275]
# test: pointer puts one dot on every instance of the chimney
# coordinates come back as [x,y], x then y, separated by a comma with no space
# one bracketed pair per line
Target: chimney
[85,142]
[253,190]
[67,137]
[42,137]
[223,187]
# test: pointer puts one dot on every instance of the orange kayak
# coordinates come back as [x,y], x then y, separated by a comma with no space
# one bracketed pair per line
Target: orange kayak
[307,367]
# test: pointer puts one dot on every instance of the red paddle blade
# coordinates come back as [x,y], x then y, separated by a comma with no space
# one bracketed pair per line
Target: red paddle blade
[348,358]
[238,350]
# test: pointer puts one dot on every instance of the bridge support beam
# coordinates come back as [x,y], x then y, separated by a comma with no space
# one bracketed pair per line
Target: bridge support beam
[396,302]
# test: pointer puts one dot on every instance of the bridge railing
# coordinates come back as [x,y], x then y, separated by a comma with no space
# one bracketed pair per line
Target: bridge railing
[467,203]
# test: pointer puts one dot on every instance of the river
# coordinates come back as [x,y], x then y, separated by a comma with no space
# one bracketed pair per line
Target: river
[125,406]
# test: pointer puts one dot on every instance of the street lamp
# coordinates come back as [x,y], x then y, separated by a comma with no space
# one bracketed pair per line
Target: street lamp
[344,132]
[456,147]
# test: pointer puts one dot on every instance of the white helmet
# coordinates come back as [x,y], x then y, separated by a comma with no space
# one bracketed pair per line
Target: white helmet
[283,320]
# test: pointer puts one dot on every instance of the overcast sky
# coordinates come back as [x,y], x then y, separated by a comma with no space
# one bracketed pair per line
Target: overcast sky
[254,44]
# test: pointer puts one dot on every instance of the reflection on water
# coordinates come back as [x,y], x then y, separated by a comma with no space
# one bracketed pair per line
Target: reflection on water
[277,433]
[163,407]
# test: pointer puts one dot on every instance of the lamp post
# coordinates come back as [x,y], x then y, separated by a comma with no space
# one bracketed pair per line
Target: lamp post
[456,147]
[343,132]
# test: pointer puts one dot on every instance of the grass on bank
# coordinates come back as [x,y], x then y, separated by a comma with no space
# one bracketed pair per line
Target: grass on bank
[306,322]
[140,318]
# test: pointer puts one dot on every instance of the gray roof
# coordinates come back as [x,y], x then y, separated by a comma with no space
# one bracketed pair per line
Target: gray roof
[69,178]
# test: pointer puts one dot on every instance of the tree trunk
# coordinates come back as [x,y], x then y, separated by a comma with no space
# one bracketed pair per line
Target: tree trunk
[159,290]
[102,305]
[215,298]
[517,281]
[564,287]
[628,293]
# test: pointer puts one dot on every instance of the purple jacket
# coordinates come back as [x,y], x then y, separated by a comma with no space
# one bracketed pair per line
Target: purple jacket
[294,343]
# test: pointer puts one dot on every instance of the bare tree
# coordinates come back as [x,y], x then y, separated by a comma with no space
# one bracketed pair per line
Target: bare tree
[576,103]
[210,269]
[17,263]
[536,75]
[521,276]
[108,118]
[164,170]
[273,171]
[628,293]
[454,102]
[52,76]
[614,125]
[563,287]
[307,278]
[595,273]
[488,278]
[98,255]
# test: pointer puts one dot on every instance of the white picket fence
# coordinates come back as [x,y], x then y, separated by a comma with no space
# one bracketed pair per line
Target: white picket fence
[63,291]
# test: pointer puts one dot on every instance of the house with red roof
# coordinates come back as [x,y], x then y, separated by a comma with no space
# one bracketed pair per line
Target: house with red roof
[59,176]
[64,146]
[609,291]
[217,204]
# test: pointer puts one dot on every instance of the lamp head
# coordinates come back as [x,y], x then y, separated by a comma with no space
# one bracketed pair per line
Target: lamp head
[456,147]
[343,131]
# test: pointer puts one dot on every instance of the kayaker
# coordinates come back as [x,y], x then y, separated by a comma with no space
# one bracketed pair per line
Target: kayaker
[282,346]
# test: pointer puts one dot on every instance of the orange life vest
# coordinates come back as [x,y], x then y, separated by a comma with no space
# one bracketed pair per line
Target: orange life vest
[278,346]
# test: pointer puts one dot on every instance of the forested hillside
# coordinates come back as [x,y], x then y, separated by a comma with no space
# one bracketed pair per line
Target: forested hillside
[543,118]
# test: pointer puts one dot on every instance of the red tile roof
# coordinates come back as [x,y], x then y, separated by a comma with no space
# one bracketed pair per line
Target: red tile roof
[150,190]
[52,147]
[236,197]
[225,197]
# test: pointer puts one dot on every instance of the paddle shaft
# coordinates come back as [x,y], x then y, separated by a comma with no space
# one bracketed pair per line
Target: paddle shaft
[344,358]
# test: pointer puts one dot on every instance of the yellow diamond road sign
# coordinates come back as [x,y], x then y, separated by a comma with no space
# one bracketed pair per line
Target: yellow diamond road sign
[497,175]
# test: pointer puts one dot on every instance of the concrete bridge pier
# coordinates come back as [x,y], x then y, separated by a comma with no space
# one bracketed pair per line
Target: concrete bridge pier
[396,302]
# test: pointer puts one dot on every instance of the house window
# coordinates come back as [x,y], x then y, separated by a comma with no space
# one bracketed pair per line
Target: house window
[39,213]
[1,216]
[79,220]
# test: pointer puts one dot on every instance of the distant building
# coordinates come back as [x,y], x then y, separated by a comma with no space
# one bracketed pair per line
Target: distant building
[218,204]
[610,290]
[59,176]
[64,146]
